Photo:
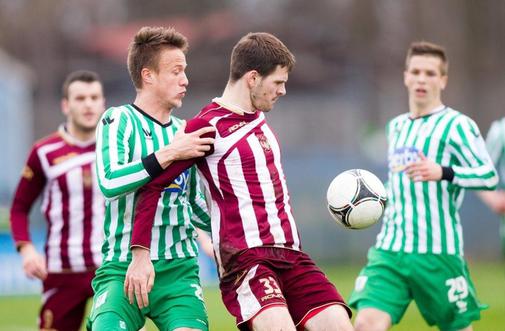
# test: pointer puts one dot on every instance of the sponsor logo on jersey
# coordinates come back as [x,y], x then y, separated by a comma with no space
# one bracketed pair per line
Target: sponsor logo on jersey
[237,126]
[401,157]
[179,184]
[63,158]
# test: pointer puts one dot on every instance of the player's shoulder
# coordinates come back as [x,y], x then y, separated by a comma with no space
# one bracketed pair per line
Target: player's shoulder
[398,119]
[499,122]
[51,138]
[117,110]
[459,117]
[212,111]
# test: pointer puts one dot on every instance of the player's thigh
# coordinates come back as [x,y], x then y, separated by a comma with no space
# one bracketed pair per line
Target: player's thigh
[64,300]
[110,298]
[383,284]
[176,300]
[250,291]
[444,291]
[273,318]
[331,318]
[307,290]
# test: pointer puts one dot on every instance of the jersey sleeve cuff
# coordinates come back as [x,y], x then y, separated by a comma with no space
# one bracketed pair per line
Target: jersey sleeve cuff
[152,165]
[140,246]
[447,173]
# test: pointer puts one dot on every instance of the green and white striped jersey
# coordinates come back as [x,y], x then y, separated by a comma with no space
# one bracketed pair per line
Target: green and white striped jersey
[422,217]
[495,143]
[126,135]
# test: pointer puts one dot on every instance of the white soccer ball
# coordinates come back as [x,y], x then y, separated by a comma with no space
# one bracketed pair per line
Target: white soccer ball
[356,199]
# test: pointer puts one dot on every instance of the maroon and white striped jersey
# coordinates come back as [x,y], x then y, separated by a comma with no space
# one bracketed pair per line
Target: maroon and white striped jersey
[62,169]
[249,201]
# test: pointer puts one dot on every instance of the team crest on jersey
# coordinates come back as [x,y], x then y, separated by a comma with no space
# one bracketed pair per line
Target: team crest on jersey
[87,180]
[179,184]
[264,142]
[27,173]
[401,157]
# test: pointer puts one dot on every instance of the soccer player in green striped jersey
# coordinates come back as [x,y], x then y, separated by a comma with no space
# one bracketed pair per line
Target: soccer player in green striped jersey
[434,154]
[495,142]
[135,142]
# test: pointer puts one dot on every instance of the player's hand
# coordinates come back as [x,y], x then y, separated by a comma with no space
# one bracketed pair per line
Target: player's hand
[494,199]
[139,278]
[205,242]
[34,263]
[424,170]
[185,146]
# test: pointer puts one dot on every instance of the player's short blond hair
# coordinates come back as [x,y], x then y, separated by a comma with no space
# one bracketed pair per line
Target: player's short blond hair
[145,49]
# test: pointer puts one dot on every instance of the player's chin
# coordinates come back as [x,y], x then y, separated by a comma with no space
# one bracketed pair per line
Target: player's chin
[177,103]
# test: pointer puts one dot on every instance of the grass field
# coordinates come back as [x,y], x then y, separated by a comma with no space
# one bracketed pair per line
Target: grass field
[19,313]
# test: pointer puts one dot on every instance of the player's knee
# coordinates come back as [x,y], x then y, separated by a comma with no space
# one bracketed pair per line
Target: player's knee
[110,321]
[370,319]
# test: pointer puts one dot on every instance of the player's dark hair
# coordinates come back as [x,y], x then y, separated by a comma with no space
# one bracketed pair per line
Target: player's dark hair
[259,51]
[428,49]
[145,49]
[78,76]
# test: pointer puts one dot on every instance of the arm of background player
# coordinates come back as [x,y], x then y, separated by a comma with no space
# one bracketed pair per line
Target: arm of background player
[117,175]
[495,143]
[29,188]
[476,170]
[149,194]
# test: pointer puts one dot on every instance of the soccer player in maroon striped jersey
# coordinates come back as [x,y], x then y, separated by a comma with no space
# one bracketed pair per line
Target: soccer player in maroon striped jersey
[61,168]
[266,281]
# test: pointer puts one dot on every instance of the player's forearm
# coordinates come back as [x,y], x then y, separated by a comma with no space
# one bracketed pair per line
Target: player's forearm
[26,194]
[19,228]
[147,202]
[477,178]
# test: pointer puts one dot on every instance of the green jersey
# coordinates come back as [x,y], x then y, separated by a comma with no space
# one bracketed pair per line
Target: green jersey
[126,140]
[422,217]
[495,143]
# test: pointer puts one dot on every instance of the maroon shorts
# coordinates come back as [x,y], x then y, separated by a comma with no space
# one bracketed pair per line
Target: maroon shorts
[64,300]
[268,276]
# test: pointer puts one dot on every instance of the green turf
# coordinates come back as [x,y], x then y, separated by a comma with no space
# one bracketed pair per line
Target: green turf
[19,313]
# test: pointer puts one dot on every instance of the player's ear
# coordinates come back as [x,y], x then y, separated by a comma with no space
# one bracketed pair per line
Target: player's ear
[443,83]
[405,77]
[147,76]
[252,78]
[64,106]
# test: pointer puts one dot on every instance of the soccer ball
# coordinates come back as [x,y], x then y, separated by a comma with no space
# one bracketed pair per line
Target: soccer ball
[356,199]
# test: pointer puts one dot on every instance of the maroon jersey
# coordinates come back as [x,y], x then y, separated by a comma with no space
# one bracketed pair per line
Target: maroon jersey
[249,201]
[63,170]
